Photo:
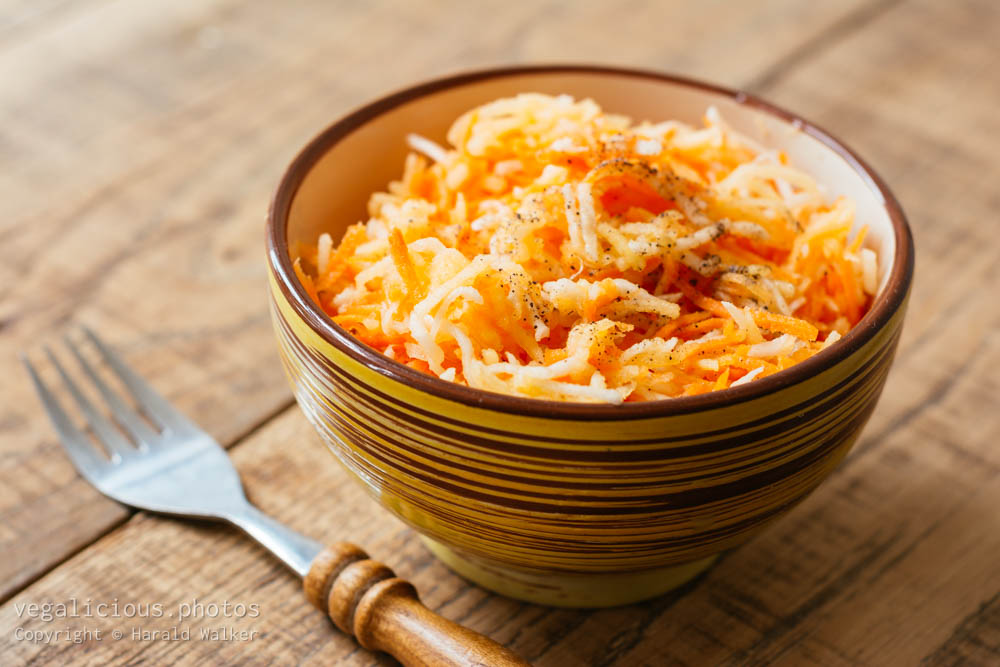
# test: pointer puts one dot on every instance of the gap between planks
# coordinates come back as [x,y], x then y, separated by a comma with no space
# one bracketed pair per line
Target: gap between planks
[825,40]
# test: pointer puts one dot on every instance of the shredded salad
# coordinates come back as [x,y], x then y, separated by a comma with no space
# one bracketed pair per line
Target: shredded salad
[556,251]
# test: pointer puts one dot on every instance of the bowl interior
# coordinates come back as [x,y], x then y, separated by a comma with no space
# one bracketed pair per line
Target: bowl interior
[365,151]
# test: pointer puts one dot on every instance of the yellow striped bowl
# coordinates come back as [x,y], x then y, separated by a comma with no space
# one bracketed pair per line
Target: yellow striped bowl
[562,503]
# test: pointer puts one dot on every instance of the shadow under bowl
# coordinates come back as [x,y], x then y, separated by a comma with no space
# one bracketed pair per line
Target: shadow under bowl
[571,504]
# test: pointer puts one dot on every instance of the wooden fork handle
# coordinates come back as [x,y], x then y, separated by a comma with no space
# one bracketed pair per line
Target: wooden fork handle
[366,599]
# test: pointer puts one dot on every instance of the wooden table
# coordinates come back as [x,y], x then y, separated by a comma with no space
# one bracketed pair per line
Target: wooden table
[139,145]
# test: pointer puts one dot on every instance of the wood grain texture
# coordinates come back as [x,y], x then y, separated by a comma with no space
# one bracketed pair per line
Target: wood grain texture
[140,212]
[140,143]
[290,475]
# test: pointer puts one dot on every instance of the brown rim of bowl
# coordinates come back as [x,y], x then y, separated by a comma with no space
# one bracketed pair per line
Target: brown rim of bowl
[883,308]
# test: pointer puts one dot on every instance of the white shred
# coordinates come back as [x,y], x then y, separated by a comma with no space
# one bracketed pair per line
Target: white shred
[486,222]
[379,269]
[572,216]
[649,350]
[797,303]
[429,148]
[505,167]
[565,145]
[459,212]
[648,147]
[323,248]
[749,376]
[750,230]
[494,184]
[457,175]
[782,346]
[744,322]
[832,338]
[348,295]
[414,350]
[552,174]
[588,221]
[869,270]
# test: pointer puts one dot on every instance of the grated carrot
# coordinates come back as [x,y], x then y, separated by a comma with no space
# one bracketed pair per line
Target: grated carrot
[553,250]
[404,263]
[785,324]
[722,381]
[668,329]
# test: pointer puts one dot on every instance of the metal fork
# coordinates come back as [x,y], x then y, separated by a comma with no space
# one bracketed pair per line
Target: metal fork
[168,465]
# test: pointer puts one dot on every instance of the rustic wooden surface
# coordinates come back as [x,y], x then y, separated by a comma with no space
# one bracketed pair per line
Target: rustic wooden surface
[139,145]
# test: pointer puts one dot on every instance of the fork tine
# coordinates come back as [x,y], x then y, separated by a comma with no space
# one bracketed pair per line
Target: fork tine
[80,450]
[124,415]
[109,436]
[154,405]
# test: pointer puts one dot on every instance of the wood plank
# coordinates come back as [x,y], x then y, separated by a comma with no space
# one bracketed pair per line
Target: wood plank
[140,142]
[22,17]
[289,474]
[893,559]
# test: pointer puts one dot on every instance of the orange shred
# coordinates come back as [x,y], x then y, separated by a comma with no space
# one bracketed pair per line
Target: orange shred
[404,263]
[785,324]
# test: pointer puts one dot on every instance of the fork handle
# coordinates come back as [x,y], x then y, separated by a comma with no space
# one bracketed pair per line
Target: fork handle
[366,599]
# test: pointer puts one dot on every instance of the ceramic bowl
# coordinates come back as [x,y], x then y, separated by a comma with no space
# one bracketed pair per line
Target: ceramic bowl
[575,504]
